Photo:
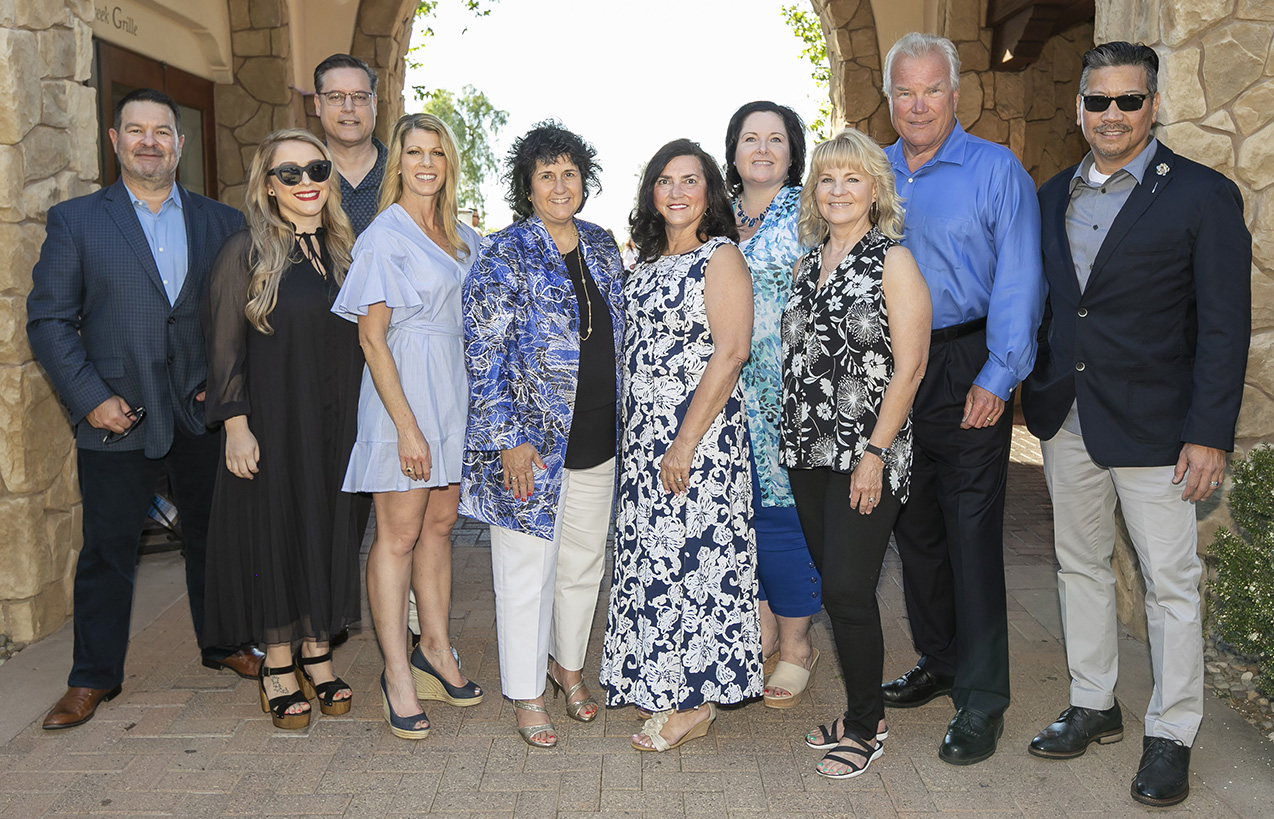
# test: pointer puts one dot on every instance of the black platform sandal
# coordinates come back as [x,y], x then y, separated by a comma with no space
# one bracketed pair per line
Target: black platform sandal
[324,692]
[277,707]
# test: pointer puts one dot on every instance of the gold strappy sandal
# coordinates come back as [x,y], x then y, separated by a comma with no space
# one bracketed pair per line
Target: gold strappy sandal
[573,708]
[528,731]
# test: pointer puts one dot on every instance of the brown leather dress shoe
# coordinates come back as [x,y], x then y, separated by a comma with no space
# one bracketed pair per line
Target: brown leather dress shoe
[246,662]
[77,706]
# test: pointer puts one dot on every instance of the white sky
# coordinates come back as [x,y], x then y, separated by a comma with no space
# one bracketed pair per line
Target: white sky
[626,76]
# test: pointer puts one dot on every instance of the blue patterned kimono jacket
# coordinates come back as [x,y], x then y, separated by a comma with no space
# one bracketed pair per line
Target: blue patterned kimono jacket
[521,338]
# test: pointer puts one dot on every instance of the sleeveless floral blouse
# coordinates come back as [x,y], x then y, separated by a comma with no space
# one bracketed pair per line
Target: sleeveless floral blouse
[837,362]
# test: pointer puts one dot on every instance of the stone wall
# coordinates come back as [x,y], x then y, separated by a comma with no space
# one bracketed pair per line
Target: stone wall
[48,153]
[1030,111]
[261,99]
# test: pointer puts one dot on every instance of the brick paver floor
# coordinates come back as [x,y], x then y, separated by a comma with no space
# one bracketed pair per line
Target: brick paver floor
[185,741]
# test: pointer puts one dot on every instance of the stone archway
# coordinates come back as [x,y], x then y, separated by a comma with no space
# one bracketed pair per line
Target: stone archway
[1030,110]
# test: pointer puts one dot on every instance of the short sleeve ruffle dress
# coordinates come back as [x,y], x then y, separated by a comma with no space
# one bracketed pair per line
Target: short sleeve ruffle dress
[395,262]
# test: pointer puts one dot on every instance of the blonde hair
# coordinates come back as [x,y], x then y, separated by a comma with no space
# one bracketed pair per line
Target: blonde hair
[391,190]
[274,245]
[854,150]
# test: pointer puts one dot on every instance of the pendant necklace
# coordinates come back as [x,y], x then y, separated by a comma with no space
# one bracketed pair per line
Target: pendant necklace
[578,268]
[748,221]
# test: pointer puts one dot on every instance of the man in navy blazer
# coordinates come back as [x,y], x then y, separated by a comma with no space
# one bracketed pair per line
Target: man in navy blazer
[1135,394]
[113,317]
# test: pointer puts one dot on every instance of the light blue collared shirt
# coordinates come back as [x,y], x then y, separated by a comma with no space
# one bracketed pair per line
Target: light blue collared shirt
[973,225]
[166,234]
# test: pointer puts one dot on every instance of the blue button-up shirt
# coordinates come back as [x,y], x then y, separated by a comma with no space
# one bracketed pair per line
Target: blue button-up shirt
[166,234]
[973,225]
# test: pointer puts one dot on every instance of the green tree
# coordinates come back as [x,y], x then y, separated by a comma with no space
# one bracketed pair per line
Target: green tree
[805,24]
[476,123]
[426,9]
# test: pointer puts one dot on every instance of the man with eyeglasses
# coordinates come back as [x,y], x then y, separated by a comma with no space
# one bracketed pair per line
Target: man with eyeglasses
[345,103]
[1135,396]
[973,227]
[113,317]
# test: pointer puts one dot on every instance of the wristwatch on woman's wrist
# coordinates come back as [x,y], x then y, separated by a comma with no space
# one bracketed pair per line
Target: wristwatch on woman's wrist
[879,452]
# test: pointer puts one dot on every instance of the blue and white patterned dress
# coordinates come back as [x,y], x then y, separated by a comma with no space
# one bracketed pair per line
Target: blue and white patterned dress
[683,626]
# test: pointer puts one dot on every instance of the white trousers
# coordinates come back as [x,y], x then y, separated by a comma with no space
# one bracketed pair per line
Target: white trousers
[1164,532]
[546,590]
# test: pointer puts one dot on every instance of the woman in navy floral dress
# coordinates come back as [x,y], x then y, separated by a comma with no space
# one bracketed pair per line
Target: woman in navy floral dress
[683,630]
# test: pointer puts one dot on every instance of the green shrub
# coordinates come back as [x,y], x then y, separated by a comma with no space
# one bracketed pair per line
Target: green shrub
[1244,560]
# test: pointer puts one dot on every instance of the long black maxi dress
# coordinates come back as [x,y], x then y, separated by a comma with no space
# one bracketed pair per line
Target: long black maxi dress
[283,547]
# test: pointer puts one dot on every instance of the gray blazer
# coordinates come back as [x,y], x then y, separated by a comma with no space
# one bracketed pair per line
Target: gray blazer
[100,323]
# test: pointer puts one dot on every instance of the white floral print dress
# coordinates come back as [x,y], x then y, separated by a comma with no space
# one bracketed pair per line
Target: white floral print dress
[683,625]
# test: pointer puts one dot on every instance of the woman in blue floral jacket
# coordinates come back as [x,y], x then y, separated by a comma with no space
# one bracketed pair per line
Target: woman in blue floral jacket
[543,326]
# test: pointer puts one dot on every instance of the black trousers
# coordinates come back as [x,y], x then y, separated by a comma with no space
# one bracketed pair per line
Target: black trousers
[848,547]
[950,532]
[117,487]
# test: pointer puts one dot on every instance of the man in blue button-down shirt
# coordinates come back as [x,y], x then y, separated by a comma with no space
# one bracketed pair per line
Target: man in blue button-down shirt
[973,226]
[113,317]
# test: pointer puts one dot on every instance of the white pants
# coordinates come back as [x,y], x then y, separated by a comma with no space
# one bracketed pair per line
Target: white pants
[1164,532]
[546,590]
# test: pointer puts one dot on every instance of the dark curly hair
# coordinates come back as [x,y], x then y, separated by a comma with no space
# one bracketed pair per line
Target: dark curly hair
[646,225]
[547,142]
[795,139]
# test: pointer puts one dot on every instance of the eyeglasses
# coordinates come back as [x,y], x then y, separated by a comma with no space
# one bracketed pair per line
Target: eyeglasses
[289,174]
[137,414]
[360,98]
[1096,103]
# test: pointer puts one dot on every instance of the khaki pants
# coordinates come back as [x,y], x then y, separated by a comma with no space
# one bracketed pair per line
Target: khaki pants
[1165,534]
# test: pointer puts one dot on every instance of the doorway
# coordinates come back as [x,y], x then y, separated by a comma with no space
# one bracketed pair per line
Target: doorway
[119,71]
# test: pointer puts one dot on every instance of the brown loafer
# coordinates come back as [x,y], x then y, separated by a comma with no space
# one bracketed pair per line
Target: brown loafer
[77,706]
[246,662]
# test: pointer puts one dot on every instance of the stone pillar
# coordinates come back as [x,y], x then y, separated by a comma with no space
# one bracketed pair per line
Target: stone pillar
[48,153]
[262,98]
[1216,78]
[382,35]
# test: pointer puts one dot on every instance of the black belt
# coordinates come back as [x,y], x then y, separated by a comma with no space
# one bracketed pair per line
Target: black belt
[946,334]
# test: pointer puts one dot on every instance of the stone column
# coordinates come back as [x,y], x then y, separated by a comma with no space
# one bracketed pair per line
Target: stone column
[48,153]
[262,98]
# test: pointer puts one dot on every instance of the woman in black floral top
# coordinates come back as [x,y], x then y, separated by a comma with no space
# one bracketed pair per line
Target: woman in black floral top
[855,343]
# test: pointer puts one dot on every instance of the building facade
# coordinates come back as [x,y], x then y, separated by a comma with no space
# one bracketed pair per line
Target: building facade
[241,68]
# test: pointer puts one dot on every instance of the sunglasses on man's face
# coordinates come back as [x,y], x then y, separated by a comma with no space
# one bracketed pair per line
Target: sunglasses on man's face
[1097,103]
[289,174]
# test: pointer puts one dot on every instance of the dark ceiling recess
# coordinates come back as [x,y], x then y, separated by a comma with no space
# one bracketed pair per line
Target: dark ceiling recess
[1019,28]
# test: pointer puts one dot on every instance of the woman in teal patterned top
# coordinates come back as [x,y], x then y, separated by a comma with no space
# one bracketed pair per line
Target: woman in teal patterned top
[765,158]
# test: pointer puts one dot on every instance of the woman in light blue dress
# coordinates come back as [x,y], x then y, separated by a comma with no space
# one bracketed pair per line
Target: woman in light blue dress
[403,289]
[765,157]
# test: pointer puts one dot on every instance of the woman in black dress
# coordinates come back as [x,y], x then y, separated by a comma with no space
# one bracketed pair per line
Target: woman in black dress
[283,376]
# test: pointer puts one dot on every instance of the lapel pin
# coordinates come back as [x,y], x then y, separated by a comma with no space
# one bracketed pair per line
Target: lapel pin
[1162,169]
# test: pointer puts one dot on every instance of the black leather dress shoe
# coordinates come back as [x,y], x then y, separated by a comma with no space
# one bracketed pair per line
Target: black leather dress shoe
[916,687]
[971,737]
[1076,729]
[1164,776]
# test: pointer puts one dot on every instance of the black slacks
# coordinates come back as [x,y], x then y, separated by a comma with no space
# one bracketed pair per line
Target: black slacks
[950,533]
[117,487]
[848,547]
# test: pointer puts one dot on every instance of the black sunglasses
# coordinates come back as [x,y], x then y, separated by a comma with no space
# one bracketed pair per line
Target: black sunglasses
[289,174]
[1096,103]
[138,414]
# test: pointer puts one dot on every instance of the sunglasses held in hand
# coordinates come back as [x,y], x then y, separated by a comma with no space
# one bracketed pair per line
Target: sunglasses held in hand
[289,174]
[137,414]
